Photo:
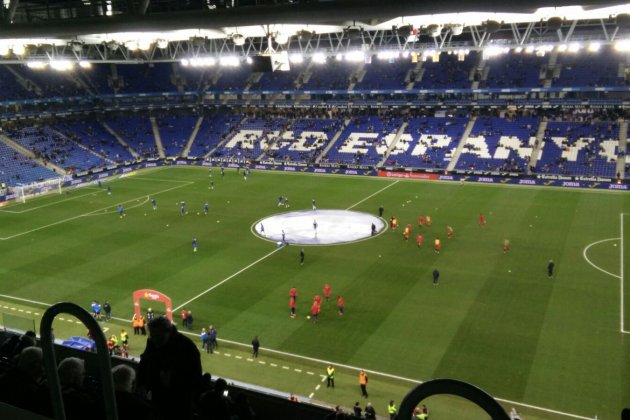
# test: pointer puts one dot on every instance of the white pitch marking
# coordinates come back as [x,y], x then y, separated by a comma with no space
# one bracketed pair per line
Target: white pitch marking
[309,373]
[273,365]
[311,395]
[105,329]
[28,312]
[227,278]
[227,354]
[5,307]
[61,319]
[69,320]
[36,313]
[372,195]
[593,265]
[323,377]
[47,205]
[262,363]
[317,387]
[217,352]
[623,330]
[85,214]
[298,370]
[250,360]
[238,357]
[20,310]
[285,367]
[78,322]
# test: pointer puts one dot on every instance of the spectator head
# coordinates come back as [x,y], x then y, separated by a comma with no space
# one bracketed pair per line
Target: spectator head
[160,330]
[124,378]
[220,385]
[31,361]
[71,372]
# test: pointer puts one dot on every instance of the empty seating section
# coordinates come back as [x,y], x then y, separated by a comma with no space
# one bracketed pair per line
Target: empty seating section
[381,74]
[447,73]
[589,69]
[514,70]
[98,78]
[228,78]
[51,83]
[580,148]
[195,78]
[364,141]
[304,141]
[333,75]
[213,130]
[137,133]
[12,90]
[135,78]
[15,168]
[54,147]
[279,80]
[499,145]
[175,132]
[92,134]
[252,138]
[427,142]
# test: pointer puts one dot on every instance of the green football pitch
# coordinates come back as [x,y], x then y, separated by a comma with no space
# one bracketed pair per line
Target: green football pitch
[550,347]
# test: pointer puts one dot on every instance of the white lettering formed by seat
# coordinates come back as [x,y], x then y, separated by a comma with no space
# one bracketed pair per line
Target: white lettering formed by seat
[354,142]
[427,141]
[512,143]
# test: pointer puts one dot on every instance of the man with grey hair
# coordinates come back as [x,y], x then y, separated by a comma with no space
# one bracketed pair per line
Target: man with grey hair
[76,400]
[129,404]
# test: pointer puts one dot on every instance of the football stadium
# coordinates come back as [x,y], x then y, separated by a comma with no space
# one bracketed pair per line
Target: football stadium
[225,209]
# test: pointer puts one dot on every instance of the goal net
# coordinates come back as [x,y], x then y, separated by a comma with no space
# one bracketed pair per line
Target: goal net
[23,192]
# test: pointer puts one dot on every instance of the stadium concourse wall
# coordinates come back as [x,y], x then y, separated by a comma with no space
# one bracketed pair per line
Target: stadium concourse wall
[84,179]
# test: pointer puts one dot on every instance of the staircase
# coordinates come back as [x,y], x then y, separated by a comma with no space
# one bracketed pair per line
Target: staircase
[156,135]
[333,141]
[192,137]
[623,145]
[29,153]
[111,131]
[540,134]
[462,142]
[399,133]
[357,75]
[417,71]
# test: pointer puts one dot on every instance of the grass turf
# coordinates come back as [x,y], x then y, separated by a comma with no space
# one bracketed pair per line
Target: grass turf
[495,320]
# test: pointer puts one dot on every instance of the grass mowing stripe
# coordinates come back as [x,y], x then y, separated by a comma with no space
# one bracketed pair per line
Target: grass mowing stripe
[50,204]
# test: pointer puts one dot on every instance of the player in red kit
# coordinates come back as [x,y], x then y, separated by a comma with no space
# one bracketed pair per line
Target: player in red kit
[317,299]
[482,219]
[449,232]
[327,291]
[293,293]
[419,240]
[315,311]
[420,221]
[340,305]
[292,307]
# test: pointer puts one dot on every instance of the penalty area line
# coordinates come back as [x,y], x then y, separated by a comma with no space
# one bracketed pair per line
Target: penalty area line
[227,278]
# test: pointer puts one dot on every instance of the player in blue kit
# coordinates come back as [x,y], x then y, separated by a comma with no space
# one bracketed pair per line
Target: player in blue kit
[279,201]
[194,244]
[154,204]
[121,211]
[314,206]
[182,208]
[205,208]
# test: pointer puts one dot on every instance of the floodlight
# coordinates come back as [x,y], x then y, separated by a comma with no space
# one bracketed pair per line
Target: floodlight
[296,58]
[405,54]
[305,35]
[457,30]
[355,56]
[36,65]
[131,45]
[562,47]
[281,38]
[229,61]
[622,45]
[434,30]
[387,55]
[518,50]
[491,26]
[594,46]
[76,46]
[249,60]
[61,65]
[238,39]
[184,62]
[85,64]
[112,45]
[4,49]
[319,58]
[144,44]
[529,49]
[162,44]
[339,57]
[19,49]
[574,47]
[404,31]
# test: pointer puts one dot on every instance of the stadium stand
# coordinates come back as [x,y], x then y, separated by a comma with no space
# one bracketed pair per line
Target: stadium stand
[137,132]
[93,135]
[174,132]
[15,168]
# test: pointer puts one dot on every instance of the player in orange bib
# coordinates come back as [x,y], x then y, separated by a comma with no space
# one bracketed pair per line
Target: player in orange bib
[506,246]
[419,240]
[428,221]
[449,232]
[394,223]
[407,232]
[437,245]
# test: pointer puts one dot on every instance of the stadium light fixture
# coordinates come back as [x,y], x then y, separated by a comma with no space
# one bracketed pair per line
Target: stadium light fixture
[19,49]
[405,54]
[238,39]
[85,64]
[4,49]
[339,57]
[562,48]
[77,46]
[249,60]
[387,55]
[355,56]
[319,58]
[296,58]
[457,30]
[529,49]
[518,50]
[574,47]
[202,62]
[229,61]
[184,62]
[162,44]
[144,44]
[36,65]
[594,46]
[131,45]
[61,65]
[622,45]
[281,38]
[493,51]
